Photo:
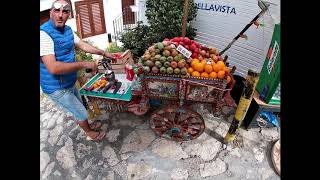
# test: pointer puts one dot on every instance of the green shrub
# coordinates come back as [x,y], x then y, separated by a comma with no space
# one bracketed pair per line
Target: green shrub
[114,48]
[165,18]
[137,39]
[165,21]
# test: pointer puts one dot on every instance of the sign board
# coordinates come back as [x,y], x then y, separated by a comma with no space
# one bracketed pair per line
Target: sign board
[270,73]
[184,51]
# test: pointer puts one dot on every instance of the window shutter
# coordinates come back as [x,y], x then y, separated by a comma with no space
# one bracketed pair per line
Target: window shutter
[98,17]
[127,14]
[90,18]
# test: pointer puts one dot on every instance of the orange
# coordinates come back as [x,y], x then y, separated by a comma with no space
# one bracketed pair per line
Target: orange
[228,79]
[103,81]
[212,64]
[222,63]
[95,86]
[194,62]
[195,74]
[194,65]
[208,68]
[203,61]
[217,67]
[226,69]
[221,74]
[213,75]
[190,70]
[204,74]
[199,67]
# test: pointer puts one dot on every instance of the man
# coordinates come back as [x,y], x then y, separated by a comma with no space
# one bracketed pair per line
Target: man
[58,67]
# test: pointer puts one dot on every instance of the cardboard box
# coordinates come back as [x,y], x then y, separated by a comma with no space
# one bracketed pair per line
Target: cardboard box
[119,66]
[270,72]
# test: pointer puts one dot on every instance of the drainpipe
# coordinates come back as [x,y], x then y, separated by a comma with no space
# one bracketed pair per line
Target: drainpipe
[109,40]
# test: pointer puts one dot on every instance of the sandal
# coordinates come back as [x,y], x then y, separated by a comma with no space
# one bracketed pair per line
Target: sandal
[99,137]
[95,125]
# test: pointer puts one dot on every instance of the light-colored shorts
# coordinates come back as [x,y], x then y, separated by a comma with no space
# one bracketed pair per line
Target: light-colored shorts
[70,100]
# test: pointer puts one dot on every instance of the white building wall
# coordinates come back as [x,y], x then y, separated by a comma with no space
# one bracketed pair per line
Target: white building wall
[45,4]
[142,9]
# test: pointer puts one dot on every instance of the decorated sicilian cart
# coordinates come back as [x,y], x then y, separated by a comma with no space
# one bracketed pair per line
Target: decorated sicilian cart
[180,72]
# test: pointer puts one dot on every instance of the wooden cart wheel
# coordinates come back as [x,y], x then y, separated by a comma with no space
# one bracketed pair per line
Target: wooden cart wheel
[177,123]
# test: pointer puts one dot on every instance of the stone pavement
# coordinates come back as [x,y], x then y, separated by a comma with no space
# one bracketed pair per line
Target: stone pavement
[131,150]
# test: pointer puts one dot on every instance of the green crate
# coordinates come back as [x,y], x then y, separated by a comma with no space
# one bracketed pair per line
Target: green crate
[270,72]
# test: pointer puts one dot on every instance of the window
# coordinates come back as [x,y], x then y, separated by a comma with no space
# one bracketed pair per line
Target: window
[127,14]
[90,18]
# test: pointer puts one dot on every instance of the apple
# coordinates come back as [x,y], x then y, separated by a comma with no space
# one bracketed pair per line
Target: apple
[204,48]
[211,51]
[165,43]
[186,41]
[193,47]
[173,64]
[176,44]
[203,52]
[215,58]
[175,39]
[189,60]
[194,55]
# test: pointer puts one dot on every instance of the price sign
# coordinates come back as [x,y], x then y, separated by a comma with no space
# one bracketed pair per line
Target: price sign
[184,51]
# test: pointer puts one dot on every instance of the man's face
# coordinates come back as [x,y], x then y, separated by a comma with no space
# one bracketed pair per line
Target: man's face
[59,13]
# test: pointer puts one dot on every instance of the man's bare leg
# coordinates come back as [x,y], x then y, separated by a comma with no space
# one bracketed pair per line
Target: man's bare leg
[89,132]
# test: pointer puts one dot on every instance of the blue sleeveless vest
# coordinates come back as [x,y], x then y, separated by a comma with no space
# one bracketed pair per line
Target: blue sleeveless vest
[64,52]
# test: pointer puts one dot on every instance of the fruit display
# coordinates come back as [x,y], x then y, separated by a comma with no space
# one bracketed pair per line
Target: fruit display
[164,58]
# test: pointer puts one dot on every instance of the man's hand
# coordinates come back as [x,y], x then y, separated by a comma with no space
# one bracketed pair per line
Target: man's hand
[90,65]
[97,62]
[58,67]
[108,55]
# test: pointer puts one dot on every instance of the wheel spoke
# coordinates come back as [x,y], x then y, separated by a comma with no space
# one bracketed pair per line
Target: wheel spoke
[178,124]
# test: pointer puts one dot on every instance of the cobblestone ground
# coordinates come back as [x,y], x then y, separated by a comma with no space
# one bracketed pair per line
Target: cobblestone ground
[131,150]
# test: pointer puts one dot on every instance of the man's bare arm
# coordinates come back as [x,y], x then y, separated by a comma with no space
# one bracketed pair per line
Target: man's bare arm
[91,49]
[57,67]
